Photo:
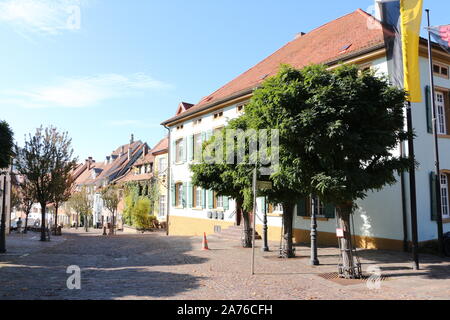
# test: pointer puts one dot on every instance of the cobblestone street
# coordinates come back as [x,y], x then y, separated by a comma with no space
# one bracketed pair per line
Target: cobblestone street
[153,266]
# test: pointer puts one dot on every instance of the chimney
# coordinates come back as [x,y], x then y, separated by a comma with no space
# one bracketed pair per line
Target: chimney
[107,159]
[132,139]
[144,151]
[299,35]
[89,162]
[129,153]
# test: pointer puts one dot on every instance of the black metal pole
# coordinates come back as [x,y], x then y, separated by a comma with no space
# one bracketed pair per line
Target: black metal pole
[440,230]
[3,219]
[314,260]
[412,188]
[265,246]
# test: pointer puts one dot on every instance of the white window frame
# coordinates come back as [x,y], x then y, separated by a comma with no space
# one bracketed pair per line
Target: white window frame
[198,197]
[162,206]
[179,150]
[440,113]
[320,208]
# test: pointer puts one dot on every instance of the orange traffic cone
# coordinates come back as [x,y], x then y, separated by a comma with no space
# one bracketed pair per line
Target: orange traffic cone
[205,242]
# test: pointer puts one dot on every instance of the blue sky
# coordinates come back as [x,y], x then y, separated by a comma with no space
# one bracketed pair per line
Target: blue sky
[122,67]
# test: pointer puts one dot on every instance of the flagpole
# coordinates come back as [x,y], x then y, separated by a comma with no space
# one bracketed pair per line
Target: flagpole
[436,143]
[412,188]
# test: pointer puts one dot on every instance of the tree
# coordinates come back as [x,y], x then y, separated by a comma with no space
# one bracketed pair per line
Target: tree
[110,196]
[40,162]
[6,153]
[338,129]
[63,184]
[142,217]
[6,144]
[81,202]
[25,194]
[230,180]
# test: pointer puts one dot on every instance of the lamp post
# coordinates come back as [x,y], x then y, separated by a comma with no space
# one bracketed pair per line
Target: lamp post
[314,260]
[265,246]
[3,218]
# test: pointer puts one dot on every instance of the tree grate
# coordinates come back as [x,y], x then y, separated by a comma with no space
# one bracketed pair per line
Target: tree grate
[334,277]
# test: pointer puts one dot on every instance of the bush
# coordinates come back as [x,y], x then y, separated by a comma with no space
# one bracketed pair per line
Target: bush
[141,214]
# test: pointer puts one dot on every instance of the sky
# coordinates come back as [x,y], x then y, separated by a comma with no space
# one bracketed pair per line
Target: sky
[105,69]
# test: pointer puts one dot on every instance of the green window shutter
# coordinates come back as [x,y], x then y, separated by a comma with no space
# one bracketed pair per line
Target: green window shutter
[183,195]
[204,199]
[184,149]
[433,196]
[173,195]
[329,211]
[428,109]
[301,208]
[226,203]
[210,199]
[173,152]
[190,148]
[190,195]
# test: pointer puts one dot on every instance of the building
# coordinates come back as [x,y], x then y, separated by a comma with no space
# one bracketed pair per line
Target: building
[5,197]
[100,174]
[150,171]
[356,38]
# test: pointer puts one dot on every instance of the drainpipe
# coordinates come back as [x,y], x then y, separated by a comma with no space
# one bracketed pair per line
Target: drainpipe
[168,180]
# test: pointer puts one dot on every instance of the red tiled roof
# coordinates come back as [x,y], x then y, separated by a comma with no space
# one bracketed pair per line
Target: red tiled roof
[351,34]
[163,145]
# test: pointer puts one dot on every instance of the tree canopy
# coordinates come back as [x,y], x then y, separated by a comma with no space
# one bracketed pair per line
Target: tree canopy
[6,144]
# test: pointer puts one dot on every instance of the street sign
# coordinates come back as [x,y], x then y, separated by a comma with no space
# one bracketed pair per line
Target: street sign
[340,233]
[264,185]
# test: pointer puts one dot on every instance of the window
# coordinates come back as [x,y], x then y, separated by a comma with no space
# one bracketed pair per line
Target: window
[179,149]
[197,122]
[218,201]
[162,165]
[178,194]
[197,192]
[162,206]
[218,115]
[440,70]
[180,127]
[440,110]
[197,148]
[444,196]
[316,206]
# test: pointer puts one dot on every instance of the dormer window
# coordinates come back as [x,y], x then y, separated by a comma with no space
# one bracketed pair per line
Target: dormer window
[441,70]
[218,115]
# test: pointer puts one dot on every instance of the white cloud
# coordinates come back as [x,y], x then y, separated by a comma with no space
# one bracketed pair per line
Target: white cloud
[49,17]
[82,92]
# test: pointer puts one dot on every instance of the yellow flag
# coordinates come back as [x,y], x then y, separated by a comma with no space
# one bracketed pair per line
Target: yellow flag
[411,18]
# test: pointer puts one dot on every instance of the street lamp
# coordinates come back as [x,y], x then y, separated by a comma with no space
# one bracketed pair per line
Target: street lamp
[265,246]
[3,218]
[315,205]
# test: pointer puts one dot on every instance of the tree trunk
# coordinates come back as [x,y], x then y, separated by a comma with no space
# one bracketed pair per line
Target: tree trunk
[247,240]
[43,235]
[287,250]
[56,219]
[349,269]
[247,236]
[86,223]
[76,222]
[26,223]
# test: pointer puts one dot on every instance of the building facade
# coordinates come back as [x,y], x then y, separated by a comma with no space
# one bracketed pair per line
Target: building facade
[382,219]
